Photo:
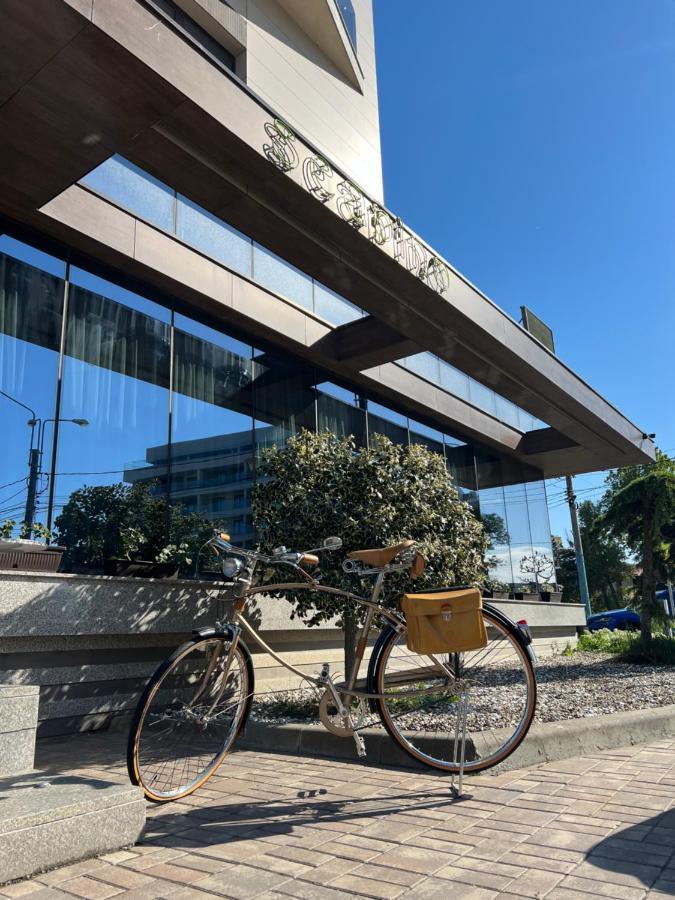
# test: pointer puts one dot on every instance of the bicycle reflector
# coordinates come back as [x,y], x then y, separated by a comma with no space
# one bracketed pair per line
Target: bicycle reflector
[524,630]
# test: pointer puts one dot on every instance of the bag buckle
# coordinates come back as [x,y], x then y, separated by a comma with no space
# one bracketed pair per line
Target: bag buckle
[446,613]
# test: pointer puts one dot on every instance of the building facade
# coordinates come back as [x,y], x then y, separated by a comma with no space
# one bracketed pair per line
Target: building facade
[197,261]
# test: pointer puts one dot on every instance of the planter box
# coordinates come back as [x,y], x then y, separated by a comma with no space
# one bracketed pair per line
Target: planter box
[528,597]
[552,596]
[141,568]
[32,558]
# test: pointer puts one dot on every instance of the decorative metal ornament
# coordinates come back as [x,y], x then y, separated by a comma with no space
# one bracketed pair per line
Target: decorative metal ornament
[316,171]
[381,225]
[437,275]
[350,204]
[355,208]
[281,151]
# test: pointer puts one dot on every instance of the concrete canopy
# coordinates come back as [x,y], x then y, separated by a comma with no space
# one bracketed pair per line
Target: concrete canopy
[83,79]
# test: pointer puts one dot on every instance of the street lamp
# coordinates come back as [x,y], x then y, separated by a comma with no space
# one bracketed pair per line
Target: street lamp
[35,465]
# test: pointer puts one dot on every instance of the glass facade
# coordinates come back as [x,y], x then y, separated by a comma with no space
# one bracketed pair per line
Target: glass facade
[185,409]
[120,181]
[130,187]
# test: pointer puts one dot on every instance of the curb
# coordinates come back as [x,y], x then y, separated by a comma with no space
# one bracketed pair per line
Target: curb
[545,742]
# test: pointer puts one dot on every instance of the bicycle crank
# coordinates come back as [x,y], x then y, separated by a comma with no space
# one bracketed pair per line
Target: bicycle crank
[332,719]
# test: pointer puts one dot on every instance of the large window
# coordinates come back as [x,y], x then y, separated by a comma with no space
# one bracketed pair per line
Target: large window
[120,389]
[150,199]
[212,427]
[31,304]
[116,377]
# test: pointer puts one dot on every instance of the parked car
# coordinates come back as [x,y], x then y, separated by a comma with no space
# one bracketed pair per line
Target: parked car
[621,619]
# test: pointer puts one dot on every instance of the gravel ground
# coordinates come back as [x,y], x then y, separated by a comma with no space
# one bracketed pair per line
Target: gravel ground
[570,687]
[593,684]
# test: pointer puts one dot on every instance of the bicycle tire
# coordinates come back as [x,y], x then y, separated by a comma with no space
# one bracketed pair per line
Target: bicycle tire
[135,767]
[382,651]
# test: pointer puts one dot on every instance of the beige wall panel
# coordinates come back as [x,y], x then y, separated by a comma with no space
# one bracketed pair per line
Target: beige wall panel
[290,72]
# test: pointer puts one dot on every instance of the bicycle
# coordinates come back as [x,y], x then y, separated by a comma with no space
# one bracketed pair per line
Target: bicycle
[199,699]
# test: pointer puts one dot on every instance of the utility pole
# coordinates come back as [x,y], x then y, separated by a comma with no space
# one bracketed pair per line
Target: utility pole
[578,547]
[31,497]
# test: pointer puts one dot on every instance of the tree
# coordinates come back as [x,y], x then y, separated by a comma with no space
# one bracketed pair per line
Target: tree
[132,521]
[538,564]
[319,485]
[639,509]
[607,569]
[566,570]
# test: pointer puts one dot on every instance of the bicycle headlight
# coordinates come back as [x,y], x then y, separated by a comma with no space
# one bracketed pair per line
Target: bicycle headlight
[232,567]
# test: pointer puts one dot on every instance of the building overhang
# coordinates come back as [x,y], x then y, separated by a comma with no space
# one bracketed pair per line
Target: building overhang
[83,79]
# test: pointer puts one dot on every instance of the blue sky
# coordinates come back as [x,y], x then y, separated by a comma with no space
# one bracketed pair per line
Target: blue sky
[533,144]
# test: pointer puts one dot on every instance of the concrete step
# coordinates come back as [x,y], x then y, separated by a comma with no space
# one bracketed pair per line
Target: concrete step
[49,820]
[18,724]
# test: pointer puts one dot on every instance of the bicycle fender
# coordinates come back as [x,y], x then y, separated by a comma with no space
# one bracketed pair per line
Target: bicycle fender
[522,632]
[226,632]
[372,663]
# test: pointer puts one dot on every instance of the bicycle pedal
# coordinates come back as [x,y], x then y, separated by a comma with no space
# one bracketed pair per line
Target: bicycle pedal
[360,746]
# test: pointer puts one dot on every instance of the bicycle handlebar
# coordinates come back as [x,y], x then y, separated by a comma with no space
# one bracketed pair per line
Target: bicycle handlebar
[221,542]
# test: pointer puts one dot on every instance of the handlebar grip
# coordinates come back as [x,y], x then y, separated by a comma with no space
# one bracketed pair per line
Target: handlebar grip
[224,536]
[309,559]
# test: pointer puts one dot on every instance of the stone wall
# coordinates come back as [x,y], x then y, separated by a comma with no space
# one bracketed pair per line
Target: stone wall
[91,642]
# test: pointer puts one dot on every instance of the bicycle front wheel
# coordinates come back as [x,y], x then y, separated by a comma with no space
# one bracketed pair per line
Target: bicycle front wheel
[189,716]
[420,697]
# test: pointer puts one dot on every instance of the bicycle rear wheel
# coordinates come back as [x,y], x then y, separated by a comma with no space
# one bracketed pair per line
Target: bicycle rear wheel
[189,716]
[420,703]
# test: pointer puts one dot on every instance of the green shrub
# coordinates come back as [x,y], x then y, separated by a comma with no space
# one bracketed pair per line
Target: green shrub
[660,651]
[319,485]
[605,641]
[629,647]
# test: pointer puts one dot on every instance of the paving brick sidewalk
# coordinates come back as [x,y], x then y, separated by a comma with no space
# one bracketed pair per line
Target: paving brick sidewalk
[273,827]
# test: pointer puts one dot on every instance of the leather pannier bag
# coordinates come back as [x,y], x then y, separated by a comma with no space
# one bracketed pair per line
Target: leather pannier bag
[444,621]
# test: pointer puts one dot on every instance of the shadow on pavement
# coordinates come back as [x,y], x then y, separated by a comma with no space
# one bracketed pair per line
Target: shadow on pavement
[232,822]
[640,851]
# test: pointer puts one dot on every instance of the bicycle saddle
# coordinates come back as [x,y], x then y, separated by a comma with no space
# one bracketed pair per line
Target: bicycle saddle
[381,557]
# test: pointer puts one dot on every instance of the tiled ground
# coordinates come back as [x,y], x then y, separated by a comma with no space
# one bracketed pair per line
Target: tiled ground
[273,827]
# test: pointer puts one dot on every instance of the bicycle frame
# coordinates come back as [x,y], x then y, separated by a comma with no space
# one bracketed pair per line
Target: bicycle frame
[373,609]
[349,687]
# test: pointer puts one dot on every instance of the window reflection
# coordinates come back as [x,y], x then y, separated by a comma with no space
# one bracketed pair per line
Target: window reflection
[387,422]
[115,375]
[31,304]
[275,273]
[428,437]
[134,189]
[212,433]
[213,237]
[228,403]
[284,398]
[337,414]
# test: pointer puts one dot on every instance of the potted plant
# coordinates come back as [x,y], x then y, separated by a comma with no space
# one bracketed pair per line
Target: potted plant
[497,590]
[26,554]
[541,566]
[552,593]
